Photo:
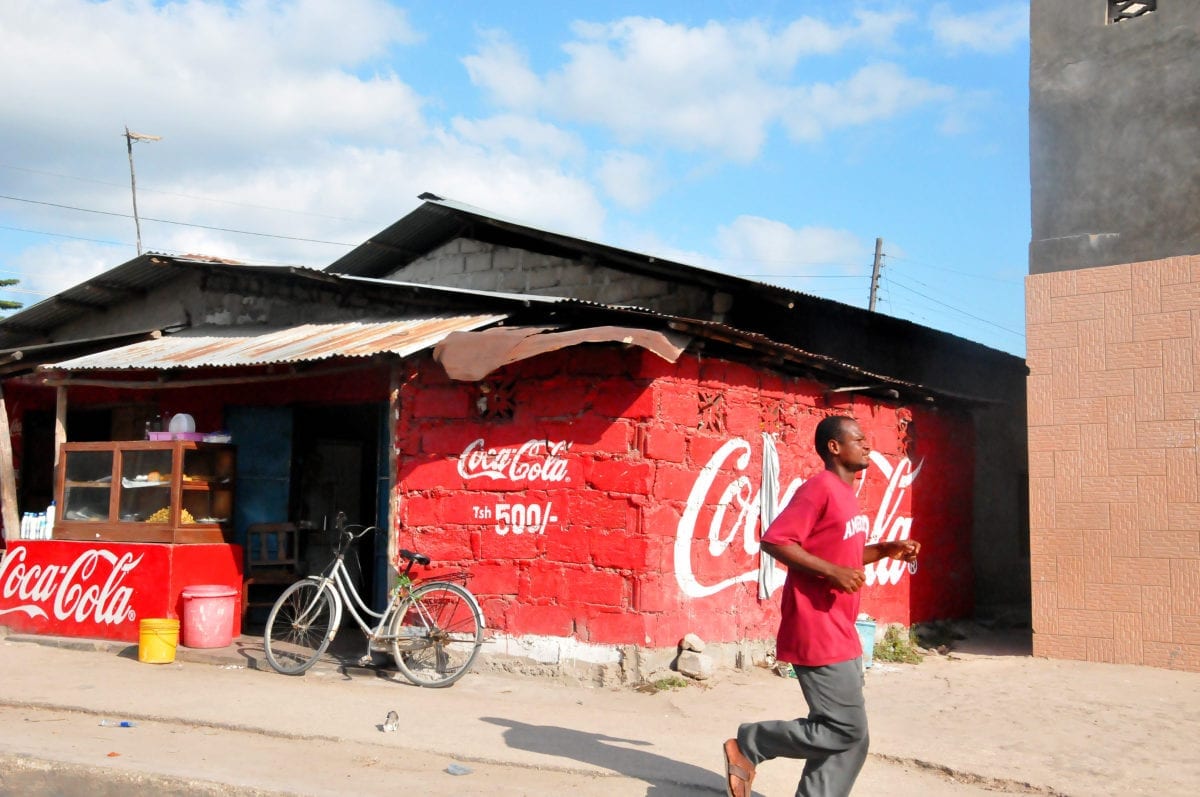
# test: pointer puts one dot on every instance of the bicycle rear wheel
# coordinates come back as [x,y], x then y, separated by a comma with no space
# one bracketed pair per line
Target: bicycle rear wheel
[436,634]
[299,628]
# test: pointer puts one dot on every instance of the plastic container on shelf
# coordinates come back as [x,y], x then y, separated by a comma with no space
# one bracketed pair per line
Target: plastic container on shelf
[182,422]
[208,615]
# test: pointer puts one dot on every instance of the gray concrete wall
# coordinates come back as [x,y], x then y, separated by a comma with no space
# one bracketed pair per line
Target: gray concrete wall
[194,300]
[1000,533]
[1114,134]
[474,265]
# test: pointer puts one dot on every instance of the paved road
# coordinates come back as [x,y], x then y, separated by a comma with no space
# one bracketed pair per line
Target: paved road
[970,725]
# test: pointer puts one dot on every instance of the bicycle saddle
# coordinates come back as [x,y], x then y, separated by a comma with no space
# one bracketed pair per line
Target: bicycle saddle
[419,558]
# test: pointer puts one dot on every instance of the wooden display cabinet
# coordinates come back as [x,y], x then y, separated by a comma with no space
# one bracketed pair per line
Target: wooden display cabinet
[134,491]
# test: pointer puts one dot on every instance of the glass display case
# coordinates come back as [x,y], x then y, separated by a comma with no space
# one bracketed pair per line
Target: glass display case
[134,491]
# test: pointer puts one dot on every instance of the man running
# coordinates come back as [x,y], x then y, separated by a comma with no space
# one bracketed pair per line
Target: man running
[821,537]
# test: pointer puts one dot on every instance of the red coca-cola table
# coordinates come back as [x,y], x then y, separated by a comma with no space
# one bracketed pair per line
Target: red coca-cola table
[103,589]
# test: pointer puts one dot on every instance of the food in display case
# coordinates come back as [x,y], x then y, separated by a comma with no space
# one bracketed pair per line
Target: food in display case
[146,491]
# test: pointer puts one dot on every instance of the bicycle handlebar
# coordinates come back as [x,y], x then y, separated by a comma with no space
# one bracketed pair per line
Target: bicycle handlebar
[351,533]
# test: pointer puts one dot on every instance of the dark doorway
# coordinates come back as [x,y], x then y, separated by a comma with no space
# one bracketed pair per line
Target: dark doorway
[334,469]
[36,489]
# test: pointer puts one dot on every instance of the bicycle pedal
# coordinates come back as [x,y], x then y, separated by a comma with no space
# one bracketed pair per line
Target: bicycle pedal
[366,661]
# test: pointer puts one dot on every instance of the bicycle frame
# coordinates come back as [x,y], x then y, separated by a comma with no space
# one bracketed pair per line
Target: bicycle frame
[432,627]
[336,581]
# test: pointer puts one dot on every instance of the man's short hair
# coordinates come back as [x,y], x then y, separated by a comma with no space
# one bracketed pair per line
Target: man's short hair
[829,428]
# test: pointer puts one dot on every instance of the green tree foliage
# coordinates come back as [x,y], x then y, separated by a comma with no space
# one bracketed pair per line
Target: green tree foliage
[5,304]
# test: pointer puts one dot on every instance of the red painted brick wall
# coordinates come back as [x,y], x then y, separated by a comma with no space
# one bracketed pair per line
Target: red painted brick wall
[1114,493]
[620,502]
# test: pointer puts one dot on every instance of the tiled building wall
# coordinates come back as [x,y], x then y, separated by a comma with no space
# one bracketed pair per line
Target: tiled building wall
[1114,410]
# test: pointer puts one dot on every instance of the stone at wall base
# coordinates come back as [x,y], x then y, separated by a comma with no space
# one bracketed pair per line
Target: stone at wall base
[695,665]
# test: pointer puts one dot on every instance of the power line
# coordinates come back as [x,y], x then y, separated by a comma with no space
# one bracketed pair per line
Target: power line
[955,309]
[64,235]
[930,287]
[801,276]
[174,194]
[177,223]
[953,271]
[12,289]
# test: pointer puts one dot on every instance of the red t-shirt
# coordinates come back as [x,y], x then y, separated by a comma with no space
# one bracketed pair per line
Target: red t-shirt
[823,517]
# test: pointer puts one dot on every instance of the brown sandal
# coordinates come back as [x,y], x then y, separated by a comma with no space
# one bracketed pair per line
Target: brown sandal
[739,772]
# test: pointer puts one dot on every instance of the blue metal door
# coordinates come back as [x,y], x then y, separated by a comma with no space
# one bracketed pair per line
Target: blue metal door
[263,436]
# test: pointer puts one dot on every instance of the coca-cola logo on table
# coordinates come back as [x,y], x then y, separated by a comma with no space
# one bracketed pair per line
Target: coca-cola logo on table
[533,460]
[90,589]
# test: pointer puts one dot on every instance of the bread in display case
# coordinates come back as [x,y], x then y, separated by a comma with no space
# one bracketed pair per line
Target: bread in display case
[146,491]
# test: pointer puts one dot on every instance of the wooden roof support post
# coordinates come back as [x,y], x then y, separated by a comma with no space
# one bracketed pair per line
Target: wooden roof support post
[60,422]
[393,421]
[8,477]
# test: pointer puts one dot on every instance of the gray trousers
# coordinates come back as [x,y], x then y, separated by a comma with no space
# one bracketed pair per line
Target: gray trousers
[833,738]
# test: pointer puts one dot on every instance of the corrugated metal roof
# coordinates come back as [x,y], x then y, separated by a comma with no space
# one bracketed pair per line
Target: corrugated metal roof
[135,277]
[438,220]
[219,347]
[491,297]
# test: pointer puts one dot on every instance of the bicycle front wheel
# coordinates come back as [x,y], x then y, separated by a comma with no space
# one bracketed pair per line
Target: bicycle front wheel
[436,634]
[299,628]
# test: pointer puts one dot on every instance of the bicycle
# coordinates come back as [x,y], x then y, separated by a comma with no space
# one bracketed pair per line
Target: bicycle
[433,629]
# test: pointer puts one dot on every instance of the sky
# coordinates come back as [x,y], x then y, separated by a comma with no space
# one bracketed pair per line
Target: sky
[771,140]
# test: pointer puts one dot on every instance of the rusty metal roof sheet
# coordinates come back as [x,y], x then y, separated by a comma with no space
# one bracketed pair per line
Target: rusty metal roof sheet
[211,346]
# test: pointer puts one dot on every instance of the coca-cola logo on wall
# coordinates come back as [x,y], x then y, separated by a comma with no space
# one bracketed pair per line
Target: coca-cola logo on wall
[90,589]
[533,460]
[733,510]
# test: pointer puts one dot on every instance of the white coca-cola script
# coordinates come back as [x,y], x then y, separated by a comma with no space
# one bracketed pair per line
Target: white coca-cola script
[533,460]
[736,514]
[90,589]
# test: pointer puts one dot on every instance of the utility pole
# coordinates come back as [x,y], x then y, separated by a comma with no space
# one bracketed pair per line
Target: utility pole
[875,272]
[129,139]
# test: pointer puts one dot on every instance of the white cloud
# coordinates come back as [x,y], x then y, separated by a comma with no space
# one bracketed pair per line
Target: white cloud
[993,30]
[275,118]
[630,179]
[50,268]
[276,72]
[768,247]
[820,260]
[501,69]
[719,86]
[874,93]
[521,133]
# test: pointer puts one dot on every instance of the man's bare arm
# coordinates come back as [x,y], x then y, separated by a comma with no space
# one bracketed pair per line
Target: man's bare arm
[905,550]
[846,579]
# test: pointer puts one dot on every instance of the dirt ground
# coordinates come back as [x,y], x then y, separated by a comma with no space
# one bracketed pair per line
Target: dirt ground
[987,718]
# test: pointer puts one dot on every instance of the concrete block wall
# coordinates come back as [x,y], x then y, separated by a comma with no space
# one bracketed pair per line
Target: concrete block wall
[475,265]
[619,505]
[1114,409]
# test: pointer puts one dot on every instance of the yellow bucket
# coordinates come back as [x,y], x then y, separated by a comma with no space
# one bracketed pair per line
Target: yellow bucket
[157,640]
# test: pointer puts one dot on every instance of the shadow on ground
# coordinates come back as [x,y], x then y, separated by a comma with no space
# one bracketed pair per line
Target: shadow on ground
[996,642]
[665,777]
[343,656]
